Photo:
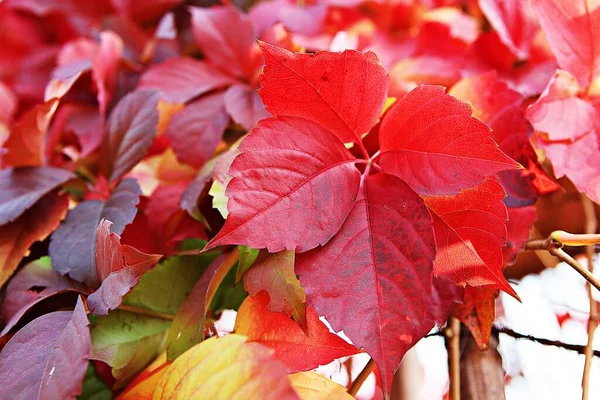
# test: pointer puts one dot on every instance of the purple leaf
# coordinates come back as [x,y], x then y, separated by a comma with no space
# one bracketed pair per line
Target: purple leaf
[73,244]
[21,188]
[47,359]
[245,105]
[32,284]
[130,131]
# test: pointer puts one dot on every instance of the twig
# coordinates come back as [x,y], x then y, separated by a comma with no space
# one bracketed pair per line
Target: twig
[554,247]
[591,225]
[146,312]
[452,334]
[547,342]
[361,378]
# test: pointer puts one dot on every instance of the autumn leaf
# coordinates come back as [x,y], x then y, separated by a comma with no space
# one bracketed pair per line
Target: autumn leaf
[21,188]
[119,268]
[299,350]
[181,79]
[288,165]
[274,273]
[252,373]
[386,249]
[130,130]
[459,154]
[478,312]
[195,131]
[31,285]
[343,93]
[245,106]
[143,386]
[35,224]
[247,258]
[470,231]
[72,245]
[190,321]
[312,386]
[57,366]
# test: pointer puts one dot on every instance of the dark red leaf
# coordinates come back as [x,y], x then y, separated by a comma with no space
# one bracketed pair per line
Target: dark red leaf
[35,224]
[245,105]
[430,140]
[298,350]
[119,268]
[520,222]
[195,131]
[47,359]
[344,94]
[181,79]
[470,231]
[293,185]
[230,50]
[21,188]
[33,283]
[72,245]
[130,130]
[384,255]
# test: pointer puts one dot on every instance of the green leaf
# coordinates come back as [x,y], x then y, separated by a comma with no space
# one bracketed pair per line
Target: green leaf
[164,288]
[230,295]
[94,388]
[247,258]
[217,191]
[128,342]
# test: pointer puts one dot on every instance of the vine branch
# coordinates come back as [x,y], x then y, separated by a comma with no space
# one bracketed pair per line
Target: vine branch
[361,378]
[452,334]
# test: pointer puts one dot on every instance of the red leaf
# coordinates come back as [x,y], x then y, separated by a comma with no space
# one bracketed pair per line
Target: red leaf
[570,26]
[559,113]
[444,298]
[25,144]
[478,312]
[130,130]
[119,268]
[32,284]
[72,245]
[460,152]
[146,11]
[343,93]
[105,67]
[183,78]
[35,224]
[274,273]
[245,105]
[190,321]
[230,50]
[21,188]
[470,231]
[384,252]
[196,131]
[298,350]
[8,106]
[514,21]
[287,166]
[47,359]
[520,222]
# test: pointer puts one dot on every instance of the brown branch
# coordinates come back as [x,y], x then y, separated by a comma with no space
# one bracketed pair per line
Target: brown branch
[452,334]
[591,225]
[554,247]
[361,378]
[546,342]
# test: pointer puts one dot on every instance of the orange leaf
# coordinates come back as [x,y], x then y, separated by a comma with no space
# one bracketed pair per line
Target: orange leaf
[143,386]
[312,386]
[478,312]
[297,350]
[225,368]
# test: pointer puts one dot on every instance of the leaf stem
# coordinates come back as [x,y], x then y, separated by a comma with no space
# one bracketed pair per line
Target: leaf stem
[591,225]
[146,312]
[361,378]
[452,334]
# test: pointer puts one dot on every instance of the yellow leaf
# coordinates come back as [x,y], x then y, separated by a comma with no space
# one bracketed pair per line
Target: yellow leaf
[312,386]
[225,368]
